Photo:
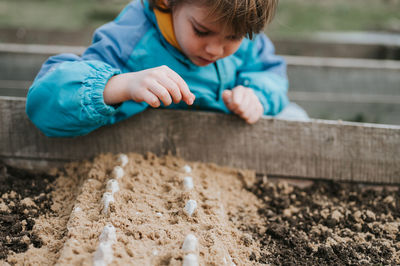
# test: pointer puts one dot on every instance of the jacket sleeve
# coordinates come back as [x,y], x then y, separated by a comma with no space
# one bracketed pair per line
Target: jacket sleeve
[66,97]
[265,73]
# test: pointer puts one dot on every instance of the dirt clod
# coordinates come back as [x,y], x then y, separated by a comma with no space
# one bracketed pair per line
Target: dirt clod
[16,215]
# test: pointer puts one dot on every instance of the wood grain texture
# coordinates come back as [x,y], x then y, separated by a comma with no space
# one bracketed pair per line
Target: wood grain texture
[314,149]
[382,113]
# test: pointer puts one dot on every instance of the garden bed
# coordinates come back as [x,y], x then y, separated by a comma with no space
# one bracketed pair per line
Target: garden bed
[148,213]
[239,218]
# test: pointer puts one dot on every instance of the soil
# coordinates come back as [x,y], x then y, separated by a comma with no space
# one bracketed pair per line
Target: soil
[328,223]
[24,197]
[239,218]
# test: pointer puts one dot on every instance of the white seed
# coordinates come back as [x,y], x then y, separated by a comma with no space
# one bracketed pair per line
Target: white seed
[187,169]
[159,214]
[155,252]
[190,260]
[99,262]
[188,183]
[229,261]
[221,210]
[107,199]
[123,159]
[108,234]
[190,207]
[76,213]
[190,243]
[103,255]
[118,172]
[112,186]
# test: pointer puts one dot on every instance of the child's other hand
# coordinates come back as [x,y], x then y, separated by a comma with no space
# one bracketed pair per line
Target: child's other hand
[153,86]
[243,102]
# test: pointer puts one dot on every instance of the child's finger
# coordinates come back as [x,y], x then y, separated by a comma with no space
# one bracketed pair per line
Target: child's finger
[162,93]
[227,98]
[253,119]
[255,114]
[150,99]
[250,113]
[172,88]
[237,98]
[187,96]
[246,104]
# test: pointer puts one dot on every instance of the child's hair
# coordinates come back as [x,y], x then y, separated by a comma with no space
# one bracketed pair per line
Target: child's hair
[243,17]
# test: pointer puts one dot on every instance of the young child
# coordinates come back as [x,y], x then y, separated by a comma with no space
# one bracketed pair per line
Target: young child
[181,54]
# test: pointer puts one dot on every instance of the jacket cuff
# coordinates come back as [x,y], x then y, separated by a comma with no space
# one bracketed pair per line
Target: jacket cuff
[93,100]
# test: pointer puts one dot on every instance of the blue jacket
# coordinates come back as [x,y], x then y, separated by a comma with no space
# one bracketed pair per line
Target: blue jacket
[66,98]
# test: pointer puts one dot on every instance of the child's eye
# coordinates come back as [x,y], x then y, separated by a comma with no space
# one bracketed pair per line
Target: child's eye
[200,33]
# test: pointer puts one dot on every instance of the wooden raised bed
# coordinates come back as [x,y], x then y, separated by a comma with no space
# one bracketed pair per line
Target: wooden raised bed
[316,149]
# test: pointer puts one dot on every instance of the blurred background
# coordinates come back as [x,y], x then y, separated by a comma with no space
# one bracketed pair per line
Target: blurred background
[343,56]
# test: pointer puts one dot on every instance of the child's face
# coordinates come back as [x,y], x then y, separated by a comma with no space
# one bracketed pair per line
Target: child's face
[201,40]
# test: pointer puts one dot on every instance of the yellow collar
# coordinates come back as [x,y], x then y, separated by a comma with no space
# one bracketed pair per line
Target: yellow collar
[164,21]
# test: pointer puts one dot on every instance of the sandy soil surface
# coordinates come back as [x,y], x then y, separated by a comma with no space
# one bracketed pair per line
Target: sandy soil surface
[60,217]
[148,213]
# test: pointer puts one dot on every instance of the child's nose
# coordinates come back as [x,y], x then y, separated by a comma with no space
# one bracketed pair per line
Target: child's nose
[214,50]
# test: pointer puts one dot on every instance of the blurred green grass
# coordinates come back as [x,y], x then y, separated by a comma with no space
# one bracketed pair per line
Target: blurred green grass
[293,17]
[69,15]
[299,16]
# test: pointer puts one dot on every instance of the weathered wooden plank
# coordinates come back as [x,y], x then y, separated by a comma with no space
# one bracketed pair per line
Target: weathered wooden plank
[345,97]
[314,149]
[20,66]
[40,36]
[15,88]
[359,111]
[344,75]
[23,61]
[325,48]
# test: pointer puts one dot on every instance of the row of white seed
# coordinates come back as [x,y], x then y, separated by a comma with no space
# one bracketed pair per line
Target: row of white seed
[112,184]
[191,205]
[104,253]
[190,244]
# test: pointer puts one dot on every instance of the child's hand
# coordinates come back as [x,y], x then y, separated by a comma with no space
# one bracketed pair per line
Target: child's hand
[153,86]
[159,84]
[243,102]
